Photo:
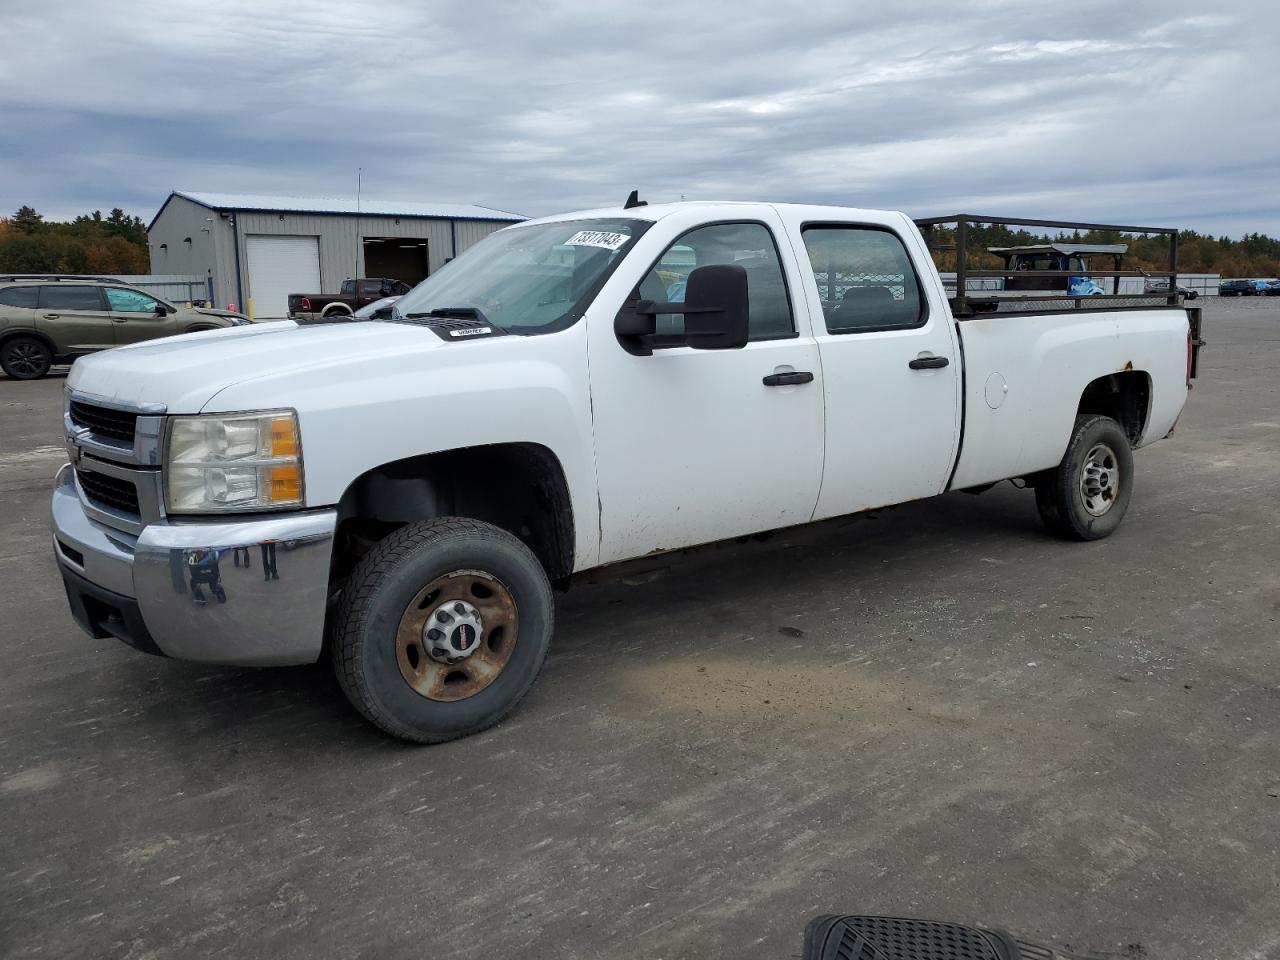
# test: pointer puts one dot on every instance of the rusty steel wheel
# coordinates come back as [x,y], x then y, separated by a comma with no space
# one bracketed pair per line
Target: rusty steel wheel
[443,627]
[456,635]
[1086,496]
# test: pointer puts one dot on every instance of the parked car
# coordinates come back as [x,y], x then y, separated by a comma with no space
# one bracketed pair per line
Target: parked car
[353,295]
[1261,287]
[55,318]
[1273,288]
[1162,286]
[572,393]
[1237,288]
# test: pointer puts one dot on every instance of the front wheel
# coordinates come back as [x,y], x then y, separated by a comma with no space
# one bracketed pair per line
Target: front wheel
[444,626]
[1085,497]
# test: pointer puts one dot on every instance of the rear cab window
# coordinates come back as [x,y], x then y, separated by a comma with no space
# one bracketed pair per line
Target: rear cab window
[865,278]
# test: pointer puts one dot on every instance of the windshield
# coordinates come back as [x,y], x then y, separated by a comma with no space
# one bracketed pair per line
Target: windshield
[526,279]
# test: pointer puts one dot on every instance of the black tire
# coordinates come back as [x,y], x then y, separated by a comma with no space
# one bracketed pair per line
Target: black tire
[383,587]
[1061,493]
[25,358]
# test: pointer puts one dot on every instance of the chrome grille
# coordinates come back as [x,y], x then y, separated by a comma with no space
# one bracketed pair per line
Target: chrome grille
[104,421]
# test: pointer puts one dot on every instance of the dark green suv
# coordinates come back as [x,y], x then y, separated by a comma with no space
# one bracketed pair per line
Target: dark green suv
[54,319]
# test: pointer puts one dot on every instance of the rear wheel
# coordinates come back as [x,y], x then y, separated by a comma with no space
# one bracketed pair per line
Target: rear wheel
[1085,497]
[444,627]
[25,358]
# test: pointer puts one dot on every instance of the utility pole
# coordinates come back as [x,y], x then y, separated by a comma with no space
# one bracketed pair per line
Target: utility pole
[355,264]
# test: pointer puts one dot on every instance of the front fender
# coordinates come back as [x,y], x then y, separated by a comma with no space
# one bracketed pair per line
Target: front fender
[356,416]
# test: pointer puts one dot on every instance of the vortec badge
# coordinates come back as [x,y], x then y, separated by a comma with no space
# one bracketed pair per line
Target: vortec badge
[471,332]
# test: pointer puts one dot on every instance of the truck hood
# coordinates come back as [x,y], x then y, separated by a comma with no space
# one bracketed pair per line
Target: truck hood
[184,373]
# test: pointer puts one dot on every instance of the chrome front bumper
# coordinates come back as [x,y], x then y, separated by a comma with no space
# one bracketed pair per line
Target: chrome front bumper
[249,592]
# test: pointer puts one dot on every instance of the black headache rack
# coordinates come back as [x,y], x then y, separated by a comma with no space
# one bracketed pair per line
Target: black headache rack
[1012,287]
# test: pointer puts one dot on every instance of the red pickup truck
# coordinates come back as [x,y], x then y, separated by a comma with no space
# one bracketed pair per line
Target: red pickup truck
[353,295]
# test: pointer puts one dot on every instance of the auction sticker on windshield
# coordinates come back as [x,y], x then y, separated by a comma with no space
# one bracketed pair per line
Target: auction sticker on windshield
[597,238]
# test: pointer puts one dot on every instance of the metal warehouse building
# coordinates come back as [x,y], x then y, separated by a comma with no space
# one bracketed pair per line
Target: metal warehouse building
[254,251]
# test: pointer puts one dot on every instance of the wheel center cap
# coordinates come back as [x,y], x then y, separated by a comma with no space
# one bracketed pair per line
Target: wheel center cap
[453,631]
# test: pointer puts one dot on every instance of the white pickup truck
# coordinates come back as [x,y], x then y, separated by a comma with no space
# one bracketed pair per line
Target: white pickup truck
[572,392]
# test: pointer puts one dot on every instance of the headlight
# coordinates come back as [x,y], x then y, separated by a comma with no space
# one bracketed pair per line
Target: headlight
[242,462]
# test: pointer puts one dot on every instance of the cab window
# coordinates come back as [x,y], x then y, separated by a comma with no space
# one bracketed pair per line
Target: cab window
[865,279]
[747,245]
[130,301]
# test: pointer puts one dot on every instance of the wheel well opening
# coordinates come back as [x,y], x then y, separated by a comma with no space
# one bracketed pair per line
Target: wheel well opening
[33,334]
[1124,397]
[519,487]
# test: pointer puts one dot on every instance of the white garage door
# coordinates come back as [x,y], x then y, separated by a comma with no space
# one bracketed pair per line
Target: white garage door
[279,266]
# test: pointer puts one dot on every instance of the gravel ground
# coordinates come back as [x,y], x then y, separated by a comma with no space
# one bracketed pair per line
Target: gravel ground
[936,711]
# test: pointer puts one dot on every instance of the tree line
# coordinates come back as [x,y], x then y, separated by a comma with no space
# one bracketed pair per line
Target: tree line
[117,243]
[1253,255]
[91,243]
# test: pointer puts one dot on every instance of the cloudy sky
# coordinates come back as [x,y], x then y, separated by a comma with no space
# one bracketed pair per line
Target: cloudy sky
[1165,112]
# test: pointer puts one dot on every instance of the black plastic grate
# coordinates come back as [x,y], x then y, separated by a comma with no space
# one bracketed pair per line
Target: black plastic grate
[105,422]
[852,947]
[923,939]
[109,491]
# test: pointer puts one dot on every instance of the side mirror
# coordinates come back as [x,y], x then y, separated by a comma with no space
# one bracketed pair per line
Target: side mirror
[716,308]
[161,310]
[716,313]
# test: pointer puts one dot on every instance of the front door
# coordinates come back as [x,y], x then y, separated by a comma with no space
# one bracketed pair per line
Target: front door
[75,317]
[694,446]
[135,317]
[891,367]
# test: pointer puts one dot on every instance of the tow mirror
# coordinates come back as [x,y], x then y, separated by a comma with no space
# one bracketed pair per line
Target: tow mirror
[715,308]
[716,311]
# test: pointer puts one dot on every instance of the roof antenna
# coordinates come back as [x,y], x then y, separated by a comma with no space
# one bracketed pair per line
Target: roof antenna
[633,200]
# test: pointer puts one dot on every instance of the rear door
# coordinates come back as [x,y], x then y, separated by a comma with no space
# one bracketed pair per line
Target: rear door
[134,317]
[75,317]
[891,369]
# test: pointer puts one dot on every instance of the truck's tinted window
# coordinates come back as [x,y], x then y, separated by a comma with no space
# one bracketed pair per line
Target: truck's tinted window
[865,278]
[70,298]
[747,245]
[18,296]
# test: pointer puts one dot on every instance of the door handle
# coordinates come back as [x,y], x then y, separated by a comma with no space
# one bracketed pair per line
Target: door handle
[928,363]
[52,316]
[787,379]
[119,319]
